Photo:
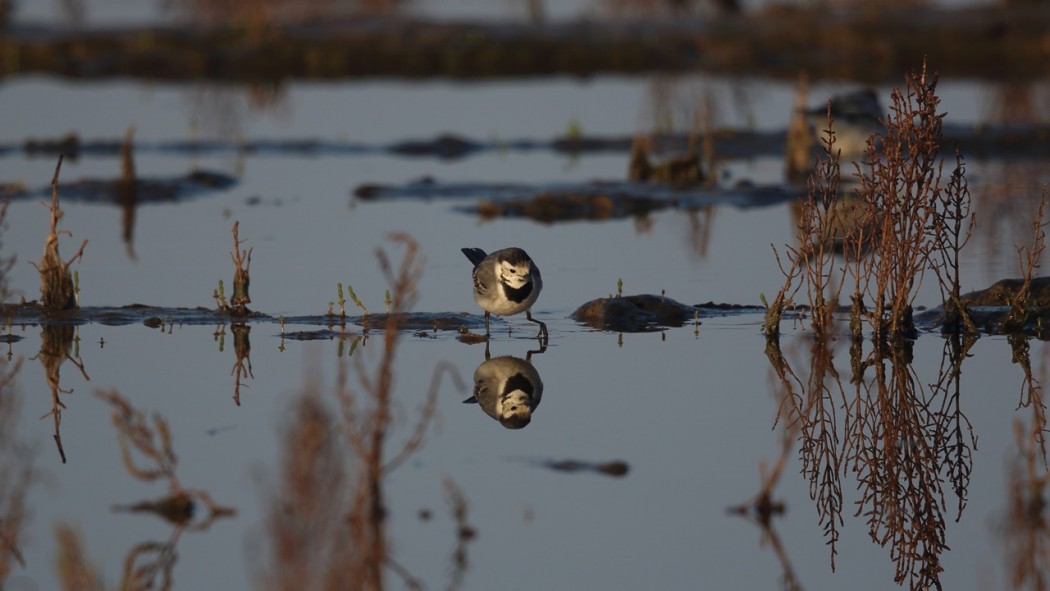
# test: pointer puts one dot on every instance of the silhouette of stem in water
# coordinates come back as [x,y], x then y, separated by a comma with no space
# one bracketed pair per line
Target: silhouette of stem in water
[57,290]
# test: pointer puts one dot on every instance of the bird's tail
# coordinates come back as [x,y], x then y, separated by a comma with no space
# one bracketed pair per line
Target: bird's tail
[476,255]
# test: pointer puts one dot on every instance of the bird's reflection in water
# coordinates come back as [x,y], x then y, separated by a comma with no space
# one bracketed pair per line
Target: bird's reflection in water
[508,388]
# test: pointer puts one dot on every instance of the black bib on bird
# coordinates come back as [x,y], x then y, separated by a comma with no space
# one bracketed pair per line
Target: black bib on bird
[518,295]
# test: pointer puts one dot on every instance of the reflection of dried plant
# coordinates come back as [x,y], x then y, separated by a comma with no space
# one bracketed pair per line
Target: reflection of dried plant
[56,341]
[901,441]
[1031,391]
[57,289]
[808,410]
[762,507]
[242,348]
[464,534]
[127,191]
[953,427]
[897,456]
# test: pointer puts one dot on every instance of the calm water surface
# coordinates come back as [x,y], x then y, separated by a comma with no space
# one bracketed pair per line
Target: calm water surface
[692,412]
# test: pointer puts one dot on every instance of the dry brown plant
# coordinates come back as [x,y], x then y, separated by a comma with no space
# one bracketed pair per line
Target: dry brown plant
[951,232]
[17,468]
[1025,530]
[327,516]
[76,572]
[57,288]
[148,453]
[900,184]
[242,261]
[811,260]
[1028,260]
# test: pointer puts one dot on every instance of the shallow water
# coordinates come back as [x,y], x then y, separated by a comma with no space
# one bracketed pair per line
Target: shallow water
[690,411]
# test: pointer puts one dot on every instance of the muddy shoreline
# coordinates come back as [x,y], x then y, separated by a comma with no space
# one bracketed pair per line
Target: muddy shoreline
[873,46]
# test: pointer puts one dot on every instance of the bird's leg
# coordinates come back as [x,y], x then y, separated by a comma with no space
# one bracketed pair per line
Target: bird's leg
[543,327]
[486,325]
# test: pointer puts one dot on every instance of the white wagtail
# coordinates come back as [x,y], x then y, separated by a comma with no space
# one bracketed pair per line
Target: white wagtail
[506,282]
[855,117]
[508,389]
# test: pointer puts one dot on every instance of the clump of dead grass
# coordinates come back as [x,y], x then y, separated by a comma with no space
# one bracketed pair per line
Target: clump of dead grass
[58,290]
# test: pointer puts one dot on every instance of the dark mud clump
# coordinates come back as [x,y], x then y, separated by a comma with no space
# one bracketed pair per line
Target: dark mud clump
[636,313]
[991,309]
[1002,292]
[552,207]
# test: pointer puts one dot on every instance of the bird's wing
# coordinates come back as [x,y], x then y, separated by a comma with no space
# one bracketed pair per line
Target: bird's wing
[480,284]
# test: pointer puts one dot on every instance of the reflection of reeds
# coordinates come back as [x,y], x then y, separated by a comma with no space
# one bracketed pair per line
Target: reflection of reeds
[56,341]
[242,367]
[900,440]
